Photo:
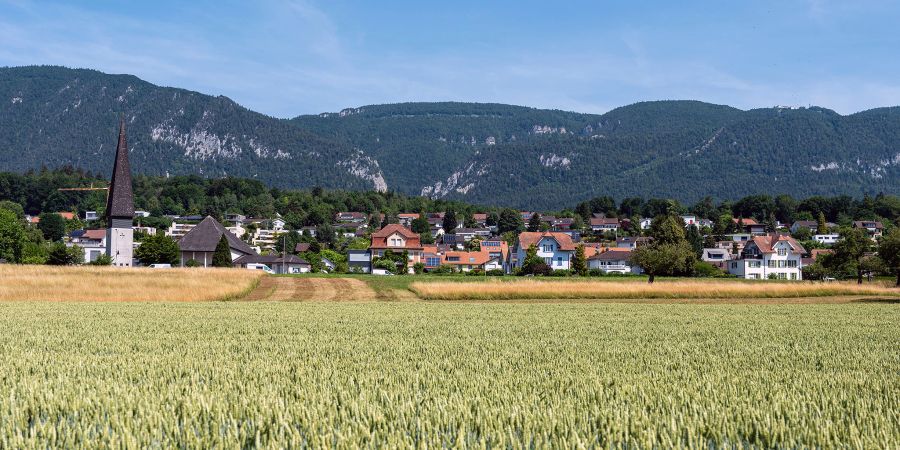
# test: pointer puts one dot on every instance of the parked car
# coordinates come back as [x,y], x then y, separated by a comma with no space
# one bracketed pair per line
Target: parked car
[160,266]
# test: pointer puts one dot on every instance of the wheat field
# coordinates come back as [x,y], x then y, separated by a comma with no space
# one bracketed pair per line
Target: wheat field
[534,289]
[447,375]
[89,283]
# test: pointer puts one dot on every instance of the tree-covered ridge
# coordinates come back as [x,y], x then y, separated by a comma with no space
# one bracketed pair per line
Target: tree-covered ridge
[482,153]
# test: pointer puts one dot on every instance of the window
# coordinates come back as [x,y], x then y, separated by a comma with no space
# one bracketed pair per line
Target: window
[432,261]
[754,264]
[793,276]
[548,261]
[548,248]
[782,251]
[559,261]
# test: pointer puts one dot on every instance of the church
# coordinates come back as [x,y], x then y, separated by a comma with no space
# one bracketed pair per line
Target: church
[120,207]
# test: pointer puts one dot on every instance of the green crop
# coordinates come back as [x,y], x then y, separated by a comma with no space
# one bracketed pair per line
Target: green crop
[287,375]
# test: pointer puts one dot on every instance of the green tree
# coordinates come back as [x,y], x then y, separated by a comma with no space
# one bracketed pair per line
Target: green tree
[510,221]
[12,236]
[222,254]
[61,255]
[849,250]
[53,226]
[158,249]
[822,226]
[450,222]
[13,207]
[534,223]
[889,251]
[664,259]
[420,224]
[579,261]
[667,229]
[102,260]
[695,239]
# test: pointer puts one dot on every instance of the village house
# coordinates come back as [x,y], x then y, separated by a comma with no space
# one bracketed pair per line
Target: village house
[289,264]
[875,229]
[811,225]
[750,225]
[359,261]
[91,242]
[602,224]
[555,248]
[350,217]
[827,239]
[632,242]
[397,238]
[774,255]
[717,256]
[200,243]
[613,261]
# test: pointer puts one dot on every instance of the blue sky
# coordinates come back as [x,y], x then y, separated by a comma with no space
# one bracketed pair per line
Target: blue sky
[290,57]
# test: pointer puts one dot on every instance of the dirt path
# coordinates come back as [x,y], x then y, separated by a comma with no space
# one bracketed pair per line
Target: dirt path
[311,289]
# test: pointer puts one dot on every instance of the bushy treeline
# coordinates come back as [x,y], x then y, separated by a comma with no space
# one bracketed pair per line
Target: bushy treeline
[763,208]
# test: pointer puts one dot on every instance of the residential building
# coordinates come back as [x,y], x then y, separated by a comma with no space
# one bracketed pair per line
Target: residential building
[614,260]
[289,264]
[91,215]
[359,261]
[826,238]
[604,224]
[149,231]
[92,242]
[875,229]
[555,248]
[177,230]
[750,225]
[351,217]
[141,214]
[200,243]
[406,219]
[771,254]
[646,222]
[717,256]
[811,225]
[468,234]
[397,238]
[632,242]
[690,220]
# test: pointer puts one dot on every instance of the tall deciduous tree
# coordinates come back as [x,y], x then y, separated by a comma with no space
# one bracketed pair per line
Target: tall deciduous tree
[822,226]
[222,255]
[849,251]
[420,224]
[889,251]
[510,221]
[53,226]
[158,249]
[12,236]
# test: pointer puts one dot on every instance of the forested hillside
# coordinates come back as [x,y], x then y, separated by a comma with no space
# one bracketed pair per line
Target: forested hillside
[482,153]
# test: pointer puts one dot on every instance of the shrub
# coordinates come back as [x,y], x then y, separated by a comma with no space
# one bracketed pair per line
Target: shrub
[102,260]
[418,268]
[561,273]
[495,273]
[191,263]
[705,269]
[475,273]
[595,273]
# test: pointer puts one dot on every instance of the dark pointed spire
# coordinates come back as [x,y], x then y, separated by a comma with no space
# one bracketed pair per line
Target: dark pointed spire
[120,199]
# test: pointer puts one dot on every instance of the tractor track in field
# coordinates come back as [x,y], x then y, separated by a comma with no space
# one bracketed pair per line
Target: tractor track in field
[300,289]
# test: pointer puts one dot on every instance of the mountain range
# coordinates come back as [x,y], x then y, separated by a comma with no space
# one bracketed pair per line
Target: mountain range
[491,154]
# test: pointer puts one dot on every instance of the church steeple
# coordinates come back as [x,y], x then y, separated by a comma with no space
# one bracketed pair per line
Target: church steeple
[120,201]
[120,207]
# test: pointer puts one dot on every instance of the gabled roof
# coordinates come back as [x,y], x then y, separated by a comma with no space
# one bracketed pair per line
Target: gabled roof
[604,221]
[612,255]
[868,224]
[746,221]
[301,247]
[527,238]
[766,243]
[394,228]
[98,235]
[120,199]
[206,235]
[465,258]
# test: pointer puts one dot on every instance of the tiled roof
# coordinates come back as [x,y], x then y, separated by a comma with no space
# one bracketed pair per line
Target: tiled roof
[94,234]
[604,221]
[394,228]
[527,238]
[612,255]
[120,199]
[206,235]
[766,243]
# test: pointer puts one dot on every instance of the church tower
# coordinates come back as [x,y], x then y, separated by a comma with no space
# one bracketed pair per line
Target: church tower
[120,207]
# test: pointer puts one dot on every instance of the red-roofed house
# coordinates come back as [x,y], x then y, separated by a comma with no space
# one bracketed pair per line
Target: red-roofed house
[397,238]
[774,254]
[614,260]
[751,226]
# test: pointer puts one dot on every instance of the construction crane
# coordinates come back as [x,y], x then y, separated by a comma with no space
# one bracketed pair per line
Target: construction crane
[91,188]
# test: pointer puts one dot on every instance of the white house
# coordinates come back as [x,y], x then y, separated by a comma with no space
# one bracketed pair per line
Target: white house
[555,248]
[829,239]
[604,224]
[769,255]
[646,222]
[91,242]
